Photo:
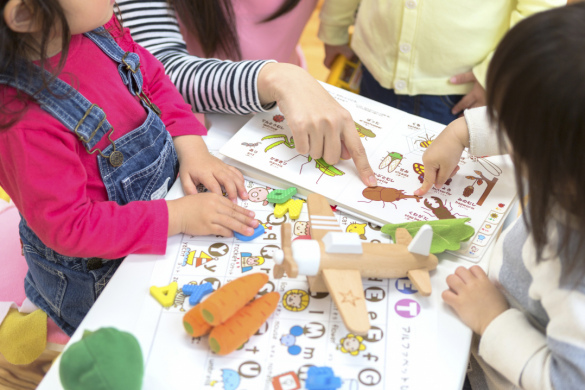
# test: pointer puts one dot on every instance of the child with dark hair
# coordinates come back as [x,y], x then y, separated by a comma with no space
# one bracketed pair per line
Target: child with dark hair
[92,136]
[530,307]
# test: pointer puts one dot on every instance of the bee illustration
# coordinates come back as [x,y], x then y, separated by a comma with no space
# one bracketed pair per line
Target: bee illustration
[392,160]
[363,132]
[424,142]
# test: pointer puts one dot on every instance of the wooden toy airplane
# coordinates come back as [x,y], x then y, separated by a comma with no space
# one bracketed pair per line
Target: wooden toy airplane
[336,262]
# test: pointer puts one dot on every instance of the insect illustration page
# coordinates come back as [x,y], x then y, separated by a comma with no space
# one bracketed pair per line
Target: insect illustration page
[482,190]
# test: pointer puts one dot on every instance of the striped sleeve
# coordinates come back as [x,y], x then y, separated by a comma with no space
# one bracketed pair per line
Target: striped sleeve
[209,85]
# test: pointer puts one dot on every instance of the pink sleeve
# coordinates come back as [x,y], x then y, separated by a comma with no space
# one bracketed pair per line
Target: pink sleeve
[43,174]
[176,114]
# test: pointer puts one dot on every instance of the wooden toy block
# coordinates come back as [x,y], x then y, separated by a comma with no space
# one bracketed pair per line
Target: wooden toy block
[292,206]
[257,232]
[165,295]
[336,264]
[281,196]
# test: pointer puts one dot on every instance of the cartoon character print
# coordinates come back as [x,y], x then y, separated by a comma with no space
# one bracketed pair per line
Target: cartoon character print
[359,228]
[352,344]
[301,228]
[259,194]
[249,261]
[295,300]
[290,340]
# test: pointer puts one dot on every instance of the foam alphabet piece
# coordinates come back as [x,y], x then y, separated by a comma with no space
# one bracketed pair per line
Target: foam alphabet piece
[322,378]
[196,293]
[281,196]
[165,295]
[104,359]
[257,232]
[293,206]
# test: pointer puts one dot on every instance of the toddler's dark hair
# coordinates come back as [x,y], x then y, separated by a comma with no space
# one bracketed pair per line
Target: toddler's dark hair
[19,47]
[536,98]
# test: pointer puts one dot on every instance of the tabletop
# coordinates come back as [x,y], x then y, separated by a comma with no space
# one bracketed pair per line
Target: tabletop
[124,304]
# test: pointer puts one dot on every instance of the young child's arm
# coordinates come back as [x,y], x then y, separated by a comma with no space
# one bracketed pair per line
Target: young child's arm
[197,165]
[441,157]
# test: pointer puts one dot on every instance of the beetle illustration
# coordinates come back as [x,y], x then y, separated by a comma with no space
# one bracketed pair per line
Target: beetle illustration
[386,195]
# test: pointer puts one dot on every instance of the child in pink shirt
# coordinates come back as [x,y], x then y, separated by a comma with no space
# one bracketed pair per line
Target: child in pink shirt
[264,29]
[88,155]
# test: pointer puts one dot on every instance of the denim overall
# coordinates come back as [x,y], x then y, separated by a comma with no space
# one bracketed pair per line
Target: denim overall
[141,165]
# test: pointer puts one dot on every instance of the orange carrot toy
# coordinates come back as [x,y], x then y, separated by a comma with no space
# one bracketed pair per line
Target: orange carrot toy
[223,303]
[194,323]
[230,335]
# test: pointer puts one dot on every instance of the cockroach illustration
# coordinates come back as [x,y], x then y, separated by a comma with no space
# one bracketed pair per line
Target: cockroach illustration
[386,195]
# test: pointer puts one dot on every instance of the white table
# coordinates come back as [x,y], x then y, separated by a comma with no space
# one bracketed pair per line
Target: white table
[121,303]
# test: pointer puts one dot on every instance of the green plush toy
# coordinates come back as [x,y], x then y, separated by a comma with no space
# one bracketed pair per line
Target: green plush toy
[447,233]
[107,359]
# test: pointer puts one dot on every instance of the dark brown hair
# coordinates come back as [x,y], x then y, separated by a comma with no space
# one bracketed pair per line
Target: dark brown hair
[214,24]
[536,98]
[17,48]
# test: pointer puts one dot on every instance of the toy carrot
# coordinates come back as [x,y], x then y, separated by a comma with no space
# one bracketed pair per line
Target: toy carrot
[194,323]
[227,337]
[227,300]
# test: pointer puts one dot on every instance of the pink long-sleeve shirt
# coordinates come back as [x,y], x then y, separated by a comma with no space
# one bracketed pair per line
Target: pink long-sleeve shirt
[56,184]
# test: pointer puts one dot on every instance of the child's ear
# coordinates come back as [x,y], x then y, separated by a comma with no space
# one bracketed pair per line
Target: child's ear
[19,17]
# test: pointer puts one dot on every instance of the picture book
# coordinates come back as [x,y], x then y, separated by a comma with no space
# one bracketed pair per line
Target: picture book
[482,190]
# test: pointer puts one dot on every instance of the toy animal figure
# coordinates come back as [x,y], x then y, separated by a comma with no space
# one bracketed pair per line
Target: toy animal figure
[386,195]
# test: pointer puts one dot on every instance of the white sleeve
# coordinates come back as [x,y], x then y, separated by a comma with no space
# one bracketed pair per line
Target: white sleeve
[483,140]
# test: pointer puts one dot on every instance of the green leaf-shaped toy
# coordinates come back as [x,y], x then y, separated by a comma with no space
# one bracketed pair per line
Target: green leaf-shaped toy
[447,233]
[107,359]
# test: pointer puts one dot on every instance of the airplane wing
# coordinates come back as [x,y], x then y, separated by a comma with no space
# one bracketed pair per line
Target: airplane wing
[347,291]
[321,217]
[403,237]
[421,280]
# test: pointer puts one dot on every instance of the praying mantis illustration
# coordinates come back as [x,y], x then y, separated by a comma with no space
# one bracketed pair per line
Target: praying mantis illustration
[320,164]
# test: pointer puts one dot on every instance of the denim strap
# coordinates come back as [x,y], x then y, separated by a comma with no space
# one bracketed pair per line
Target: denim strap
[79,115]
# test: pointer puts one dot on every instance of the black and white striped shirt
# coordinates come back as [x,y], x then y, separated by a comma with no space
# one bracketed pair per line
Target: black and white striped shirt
[209,85]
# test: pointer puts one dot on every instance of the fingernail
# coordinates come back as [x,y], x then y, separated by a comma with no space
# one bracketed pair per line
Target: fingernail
[251,213]
[417,192]
[453,79]
[372,180]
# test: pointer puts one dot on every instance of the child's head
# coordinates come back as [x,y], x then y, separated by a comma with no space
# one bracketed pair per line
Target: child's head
[536,97]
[34,30]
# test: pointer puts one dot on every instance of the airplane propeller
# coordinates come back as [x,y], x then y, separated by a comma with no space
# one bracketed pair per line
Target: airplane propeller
[283,258]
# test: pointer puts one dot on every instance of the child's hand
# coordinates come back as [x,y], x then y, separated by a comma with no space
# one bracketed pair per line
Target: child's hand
[209,213]
[321,127]
[475,97]
[198,166]
[331,52]
[474,298]
[441,157]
